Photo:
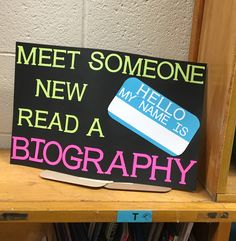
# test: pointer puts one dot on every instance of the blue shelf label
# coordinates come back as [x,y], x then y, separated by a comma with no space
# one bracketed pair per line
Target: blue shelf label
[134,216]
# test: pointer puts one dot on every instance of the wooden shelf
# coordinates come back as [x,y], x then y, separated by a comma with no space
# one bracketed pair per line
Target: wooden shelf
[23,191]
[25,231]
[213,40]
[230,194]
[217,49]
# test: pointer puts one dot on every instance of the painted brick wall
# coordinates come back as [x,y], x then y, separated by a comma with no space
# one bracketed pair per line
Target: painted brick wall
[158,28]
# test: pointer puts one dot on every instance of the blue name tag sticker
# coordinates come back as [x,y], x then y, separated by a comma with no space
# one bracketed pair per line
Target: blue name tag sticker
[153,116]
[134,216]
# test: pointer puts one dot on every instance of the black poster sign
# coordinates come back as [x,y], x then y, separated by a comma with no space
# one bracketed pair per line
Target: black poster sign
[107,115]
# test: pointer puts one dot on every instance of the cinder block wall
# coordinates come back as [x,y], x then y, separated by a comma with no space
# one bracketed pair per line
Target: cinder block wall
[158,28]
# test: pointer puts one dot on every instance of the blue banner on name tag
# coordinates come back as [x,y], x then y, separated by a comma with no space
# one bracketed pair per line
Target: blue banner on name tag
[153,116]
[134,216]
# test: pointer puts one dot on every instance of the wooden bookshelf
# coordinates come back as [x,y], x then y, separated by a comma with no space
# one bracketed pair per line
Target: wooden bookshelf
[230,193]
[217,47]
[23,191]
[26,232]
[213,41]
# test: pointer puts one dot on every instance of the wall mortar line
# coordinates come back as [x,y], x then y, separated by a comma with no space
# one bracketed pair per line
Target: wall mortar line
[83,23]
[4,53]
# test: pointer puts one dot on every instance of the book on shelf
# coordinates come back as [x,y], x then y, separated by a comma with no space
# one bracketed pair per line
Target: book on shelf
[124,231]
